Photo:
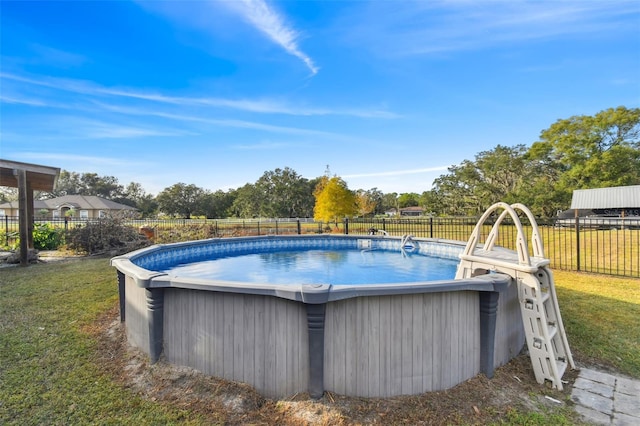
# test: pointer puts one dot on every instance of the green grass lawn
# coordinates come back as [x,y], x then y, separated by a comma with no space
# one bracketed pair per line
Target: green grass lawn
[601,315]
[47,369]
[48,363]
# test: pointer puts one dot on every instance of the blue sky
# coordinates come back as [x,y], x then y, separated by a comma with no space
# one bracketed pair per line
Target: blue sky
[387,93]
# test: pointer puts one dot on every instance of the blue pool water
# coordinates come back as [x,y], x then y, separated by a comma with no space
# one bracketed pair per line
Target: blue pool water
[334,267]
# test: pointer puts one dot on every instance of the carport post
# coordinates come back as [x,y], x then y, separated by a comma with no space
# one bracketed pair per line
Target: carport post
[30,215]
[23,213]
[577,229]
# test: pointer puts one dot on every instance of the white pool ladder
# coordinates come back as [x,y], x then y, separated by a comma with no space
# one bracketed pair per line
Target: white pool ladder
[407,244]
[545,334]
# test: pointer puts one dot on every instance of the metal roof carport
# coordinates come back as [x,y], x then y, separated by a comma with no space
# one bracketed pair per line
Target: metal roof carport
[27,178]
[617,197]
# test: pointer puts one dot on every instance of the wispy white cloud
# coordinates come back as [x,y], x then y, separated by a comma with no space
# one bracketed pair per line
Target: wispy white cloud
[74,128]
[423,28]
[209,18]
[397,172]
[266,106]
[13,99]
[273,24]
[81,159]
[114,131]
[235,123]
[64,84]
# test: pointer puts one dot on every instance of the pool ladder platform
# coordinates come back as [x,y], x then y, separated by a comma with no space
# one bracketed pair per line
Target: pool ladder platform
[545,334]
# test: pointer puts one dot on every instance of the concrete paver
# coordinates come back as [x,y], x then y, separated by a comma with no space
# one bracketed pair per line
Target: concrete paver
[624,420]
[605,399]
[592,400]
[629,387]
[627,404]
[594,387]
[598,376]
[593,416]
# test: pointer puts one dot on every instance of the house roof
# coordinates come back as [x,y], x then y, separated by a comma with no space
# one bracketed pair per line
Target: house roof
[618,197]
[41,178]
[79,202]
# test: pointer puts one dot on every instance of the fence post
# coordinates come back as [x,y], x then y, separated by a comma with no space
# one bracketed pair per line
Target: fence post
[346,226]
[384,225]
[577,241]
[430,226]
[276,226]
[258,227]
[299,228]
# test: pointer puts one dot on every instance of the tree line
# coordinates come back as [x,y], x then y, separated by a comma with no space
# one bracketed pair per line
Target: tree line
[580,152]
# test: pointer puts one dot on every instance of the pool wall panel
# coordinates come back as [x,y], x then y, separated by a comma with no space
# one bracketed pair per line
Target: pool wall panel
[137,314]
[255,339]
[384,346]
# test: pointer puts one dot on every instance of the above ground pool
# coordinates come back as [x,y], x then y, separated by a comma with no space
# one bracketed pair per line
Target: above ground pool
[370,316]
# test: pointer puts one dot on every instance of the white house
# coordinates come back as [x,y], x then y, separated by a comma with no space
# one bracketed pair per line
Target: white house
[77,206]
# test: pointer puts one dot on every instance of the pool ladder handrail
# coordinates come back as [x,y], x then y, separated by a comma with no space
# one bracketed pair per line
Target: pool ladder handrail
[524,260]
[407,244]
[545,334]
[374,231]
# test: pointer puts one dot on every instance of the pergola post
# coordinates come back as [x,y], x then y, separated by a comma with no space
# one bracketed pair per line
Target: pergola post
[23,215]
[30,215]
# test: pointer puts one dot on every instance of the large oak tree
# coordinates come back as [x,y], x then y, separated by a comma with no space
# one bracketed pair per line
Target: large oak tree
[181,200]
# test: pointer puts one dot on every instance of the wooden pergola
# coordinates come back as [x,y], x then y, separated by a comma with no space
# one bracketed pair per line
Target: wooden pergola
[27,178]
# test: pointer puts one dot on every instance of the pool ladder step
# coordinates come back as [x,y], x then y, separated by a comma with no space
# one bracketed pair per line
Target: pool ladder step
[546,338]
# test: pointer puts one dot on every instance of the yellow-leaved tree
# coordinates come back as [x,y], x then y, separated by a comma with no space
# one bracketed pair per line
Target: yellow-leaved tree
[334,200]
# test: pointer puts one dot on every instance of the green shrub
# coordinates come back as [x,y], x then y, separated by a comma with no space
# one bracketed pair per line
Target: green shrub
[47,236]
[9,240]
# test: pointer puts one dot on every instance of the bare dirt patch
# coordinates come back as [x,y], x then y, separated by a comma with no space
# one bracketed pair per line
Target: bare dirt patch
[479,400]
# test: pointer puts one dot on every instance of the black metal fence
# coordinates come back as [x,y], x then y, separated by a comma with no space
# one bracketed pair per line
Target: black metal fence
[589,245]
[586,244]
